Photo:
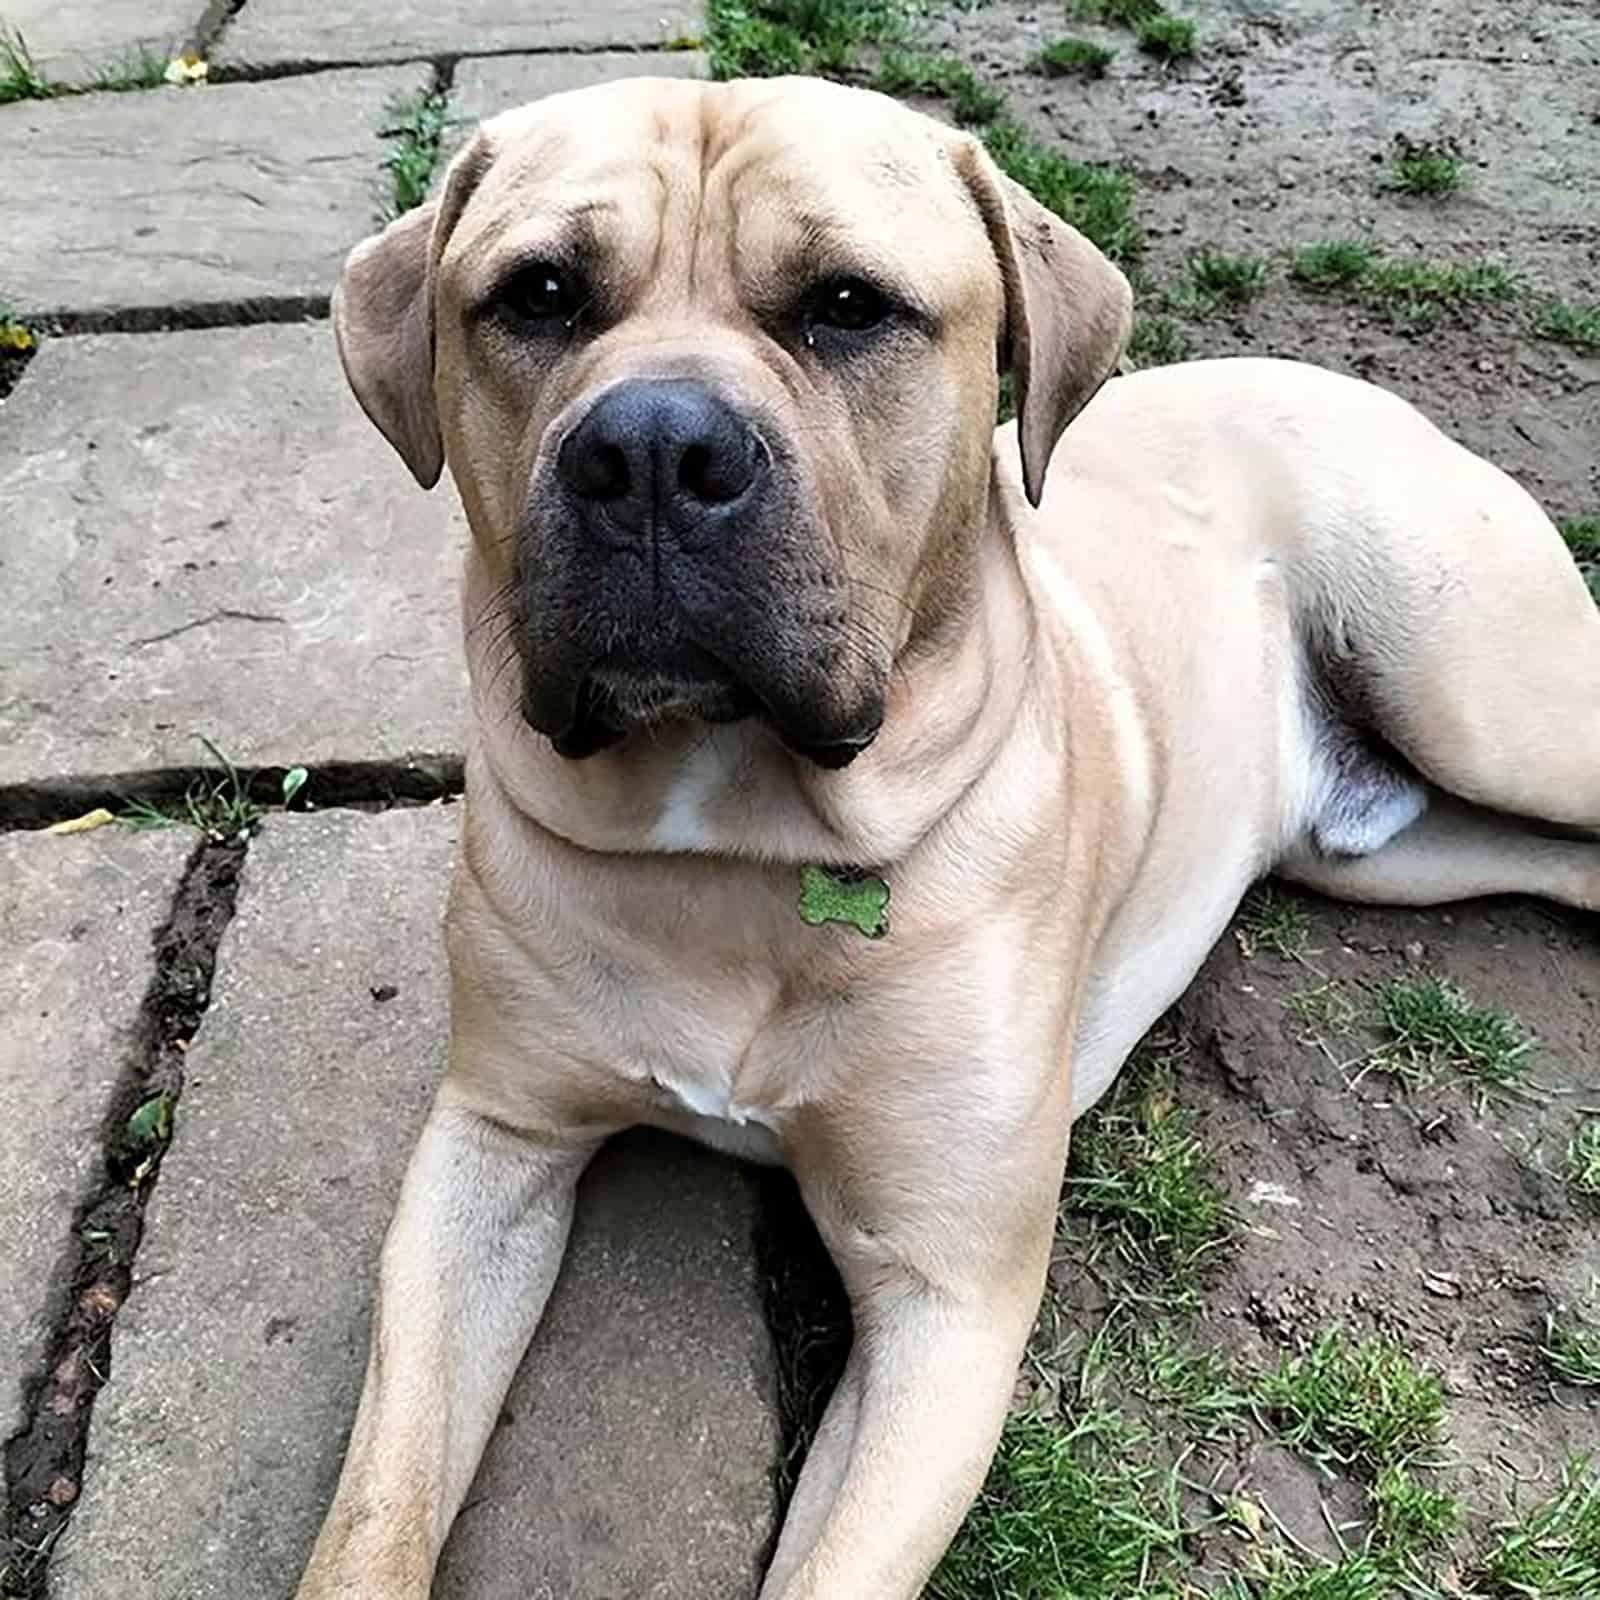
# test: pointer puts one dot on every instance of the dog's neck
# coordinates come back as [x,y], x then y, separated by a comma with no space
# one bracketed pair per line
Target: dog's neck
[735,791]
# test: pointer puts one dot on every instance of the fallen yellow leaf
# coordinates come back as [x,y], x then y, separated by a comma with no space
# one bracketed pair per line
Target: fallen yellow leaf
[187,68]
[97,818]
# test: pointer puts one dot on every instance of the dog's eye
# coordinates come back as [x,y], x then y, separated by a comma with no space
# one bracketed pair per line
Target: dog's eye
[541,292]
[849,304]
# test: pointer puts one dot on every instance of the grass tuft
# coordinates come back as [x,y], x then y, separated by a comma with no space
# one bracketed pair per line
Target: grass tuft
[1333,264]
[138,69]
[1554,1552]
[1426,168]
[1275,922]
[1080,58]
[972,101]
[1064,1512]
[1411,1518]
[415,127]
[1578,326]
[1232,280]
[1573,1352]
[1167,38]
[769,38]
[1287,1578]
[20,79]
[1429,1024]
[1145,1182]
[1155,342]
[1097,201]
[220,808]
[1119,13]
[1582,1168]
[1360,1404]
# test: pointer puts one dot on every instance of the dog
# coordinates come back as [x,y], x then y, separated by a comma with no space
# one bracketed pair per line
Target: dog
[851,784]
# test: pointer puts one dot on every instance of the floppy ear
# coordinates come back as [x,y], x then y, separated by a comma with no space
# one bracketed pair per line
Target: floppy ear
[383,317]
[383,321]
[1068,310]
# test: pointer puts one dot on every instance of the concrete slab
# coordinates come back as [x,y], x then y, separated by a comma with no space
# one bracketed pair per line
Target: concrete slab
[77,916]
[205,536]
[218,194]
[300,32]
[70,44]
[238,1356]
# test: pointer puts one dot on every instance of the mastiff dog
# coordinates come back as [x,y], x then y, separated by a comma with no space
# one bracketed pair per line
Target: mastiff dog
[851,783]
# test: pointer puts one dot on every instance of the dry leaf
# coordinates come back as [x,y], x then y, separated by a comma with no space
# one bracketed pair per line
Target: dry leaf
[97,818]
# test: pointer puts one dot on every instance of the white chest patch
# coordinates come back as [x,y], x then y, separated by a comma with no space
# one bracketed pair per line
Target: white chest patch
[682,827]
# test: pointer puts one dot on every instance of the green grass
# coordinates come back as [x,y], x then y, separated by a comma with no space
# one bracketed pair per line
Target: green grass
[1288,1578]
[1155,342]
[1065,1512]
[1222,279]
[220,808]
[1145,1182]
[1582,1167]
[1167,38]
[1097,201]
[767,38]
[1554,1552]
[1423,168]
[1578,326]
[20,79]
[1326,1009]
[138,69]
[1411,1519]
[1273,921]
[1429,1025]
[414,127]
[1195,1387]
[1080,58]
[1119,13]
[1332,264]
[972,102]
[1362,1404]
[1573,1351]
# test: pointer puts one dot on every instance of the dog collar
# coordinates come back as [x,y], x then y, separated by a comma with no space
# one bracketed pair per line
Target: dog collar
[852,895]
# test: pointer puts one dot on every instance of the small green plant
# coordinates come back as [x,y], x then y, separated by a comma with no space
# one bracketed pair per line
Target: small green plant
[767,38]
[1411,1518]
[1218,279]
[1065,1512]
[1195,1386]
[1075,58]
[138,69]
[1553,1553]
[1582,1168]
[415,128]
[1431,1025]
[1425,167]
[1566,323]
[972,101]
[221,809]
[1334,264]
[1167,38]
[1286,1577]
[1275,922]
[1155,342]
[1097,201]
[1360,1404]
[1573,1351]
[1326,1009]
[1119,13]
[20,79]
[1145,1182]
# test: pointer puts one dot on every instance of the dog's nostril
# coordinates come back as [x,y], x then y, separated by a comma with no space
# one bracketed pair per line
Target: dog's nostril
[602,472]
[718,472]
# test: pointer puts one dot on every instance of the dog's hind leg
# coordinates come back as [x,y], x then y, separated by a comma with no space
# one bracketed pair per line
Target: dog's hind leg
[1456,852]
[469,1262]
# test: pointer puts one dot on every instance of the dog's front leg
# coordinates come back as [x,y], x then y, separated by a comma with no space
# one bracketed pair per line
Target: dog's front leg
[468,1264]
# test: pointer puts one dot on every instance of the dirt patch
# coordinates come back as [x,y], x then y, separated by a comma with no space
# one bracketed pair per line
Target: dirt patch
[44,1463]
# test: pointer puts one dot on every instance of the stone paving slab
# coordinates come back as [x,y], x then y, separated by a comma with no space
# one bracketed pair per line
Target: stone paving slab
[282,32]
[71,43]
[238,1357]
[205,536]
[218,194]
[77,916]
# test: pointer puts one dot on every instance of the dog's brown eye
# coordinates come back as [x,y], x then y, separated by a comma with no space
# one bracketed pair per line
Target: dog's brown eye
[850,304]
[542,292]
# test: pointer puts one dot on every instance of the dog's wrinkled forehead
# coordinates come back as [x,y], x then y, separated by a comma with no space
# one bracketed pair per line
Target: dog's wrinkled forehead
[685,185]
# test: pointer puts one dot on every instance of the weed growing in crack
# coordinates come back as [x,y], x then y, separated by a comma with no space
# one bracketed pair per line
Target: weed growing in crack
[221,809]
[1573,1351]
[1075,58]
[415,127]
[1168,38]
[1430,1025]
[1273,921]
[1424,167]
[1334,264]
[138,69]
[1582,1167]
[1553,1553]
[1360,1404]
[1578,326]
[20,79]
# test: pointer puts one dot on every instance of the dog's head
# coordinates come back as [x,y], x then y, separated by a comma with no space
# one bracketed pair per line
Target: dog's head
[714,368]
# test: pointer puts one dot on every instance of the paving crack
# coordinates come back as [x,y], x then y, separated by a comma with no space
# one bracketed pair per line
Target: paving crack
[44,1461]
[360,785]
[184,315]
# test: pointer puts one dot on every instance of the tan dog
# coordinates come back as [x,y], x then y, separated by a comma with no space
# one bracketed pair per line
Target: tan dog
[755,588]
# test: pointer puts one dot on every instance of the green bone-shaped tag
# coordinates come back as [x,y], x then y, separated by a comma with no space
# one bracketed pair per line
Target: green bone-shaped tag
[860,899]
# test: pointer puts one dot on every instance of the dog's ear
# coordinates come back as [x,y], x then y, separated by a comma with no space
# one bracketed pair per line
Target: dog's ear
[383,318]
[1068,310]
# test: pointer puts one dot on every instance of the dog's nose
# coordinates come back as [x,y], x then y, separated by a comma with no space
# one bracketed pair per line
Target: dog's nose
[662,452]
